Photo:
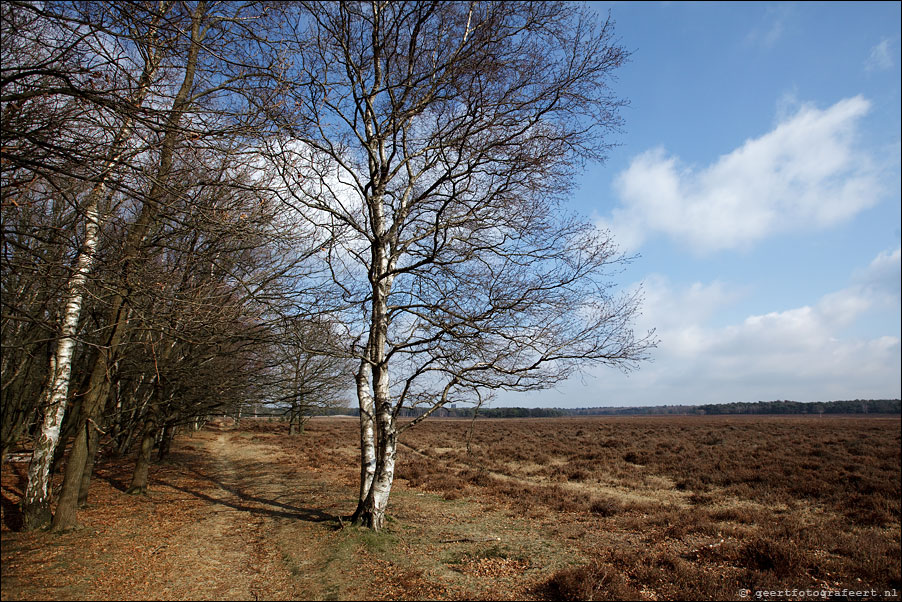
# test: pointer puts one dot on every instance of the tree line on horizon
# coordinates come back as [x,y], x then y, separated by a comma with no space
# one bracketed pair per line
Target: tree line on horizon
[853,406]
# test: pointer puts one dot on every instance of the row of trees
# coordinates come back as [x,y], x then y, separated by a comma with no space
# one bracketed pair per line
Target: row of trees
[206,203]
[148,275]
[851,406]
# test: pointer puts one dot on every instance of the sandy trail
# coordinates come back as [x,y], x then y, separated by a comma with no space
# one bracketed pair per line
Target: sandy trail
[211,528]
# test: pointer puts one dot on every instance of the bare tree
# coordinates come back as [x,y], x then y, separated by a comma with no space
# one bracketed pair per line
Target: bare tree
[309,375]
[202,329]
[160,189]
[108,112]
[73,65]
[429,145]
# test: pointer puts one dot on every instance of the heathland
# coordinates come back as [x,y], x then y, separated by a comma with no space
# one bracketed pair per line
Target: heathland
[653,508]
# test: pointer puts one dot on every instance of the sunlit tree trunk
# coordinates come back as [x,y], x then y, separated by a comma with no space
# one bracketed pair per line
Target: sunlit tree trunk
[99,388]
[138,485]
[367,438]
[372,510]
[36,501]
[376,502]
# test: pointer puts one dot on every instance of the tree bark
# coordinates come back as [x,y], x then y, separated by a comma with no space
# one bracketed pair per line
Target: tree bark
[66,508]
[372,512]
[138,485]
[99,388]
[367,439]
[93,445]
[36,501]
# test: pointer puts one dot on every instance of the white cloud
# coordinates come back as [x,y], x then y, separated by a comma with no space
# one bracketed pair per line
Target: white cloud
[883,275]
[803,353]
[805,173]
[687,337]
[693,304]
[881,56]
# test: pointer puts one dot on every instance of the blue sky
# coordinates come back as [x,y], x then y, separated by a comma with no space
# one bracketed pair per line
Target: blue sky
[758,178]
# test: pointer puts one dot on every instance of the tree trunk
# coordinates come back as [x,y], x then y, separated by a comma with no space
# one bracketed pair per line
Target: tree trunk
[367,440]
[99,388]
[70,422]
[128,428]
[125,443]
[65,517]
[94,400]
[36,501]
[93,445]
[166,442]
[138,485]
[372,513]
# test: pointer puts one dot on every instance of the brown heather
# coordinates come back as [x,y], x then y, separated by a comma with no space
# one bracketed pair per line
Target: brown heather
[608,508]
[687,507]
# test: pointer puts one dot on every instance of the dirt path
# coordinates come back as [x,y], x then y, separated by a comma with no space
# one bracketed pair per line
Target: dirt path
[226,546]
[252,515]
[203,532]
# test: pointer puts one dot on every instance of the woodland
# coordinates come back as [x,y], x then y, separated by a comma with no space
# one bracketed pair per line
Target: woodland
[212,206]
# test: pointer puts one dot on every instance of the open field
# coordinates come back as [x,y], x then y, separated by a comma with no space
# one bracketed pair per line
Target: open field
[650,508]
[694,507]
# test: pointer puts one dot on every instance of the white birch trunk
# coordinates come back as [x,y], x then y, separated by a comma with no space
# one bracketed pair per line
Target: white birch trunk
[36,501]
[367,435]
[373,512]
[377,500]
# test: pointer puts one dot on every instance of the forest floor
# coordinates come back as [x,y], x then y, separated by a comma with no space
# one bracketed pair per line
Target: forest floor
[247,515]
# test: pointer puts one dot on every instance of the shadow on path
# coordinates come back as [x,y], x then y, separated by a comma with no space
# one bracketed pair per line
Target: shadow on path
[11,493]
[254,505]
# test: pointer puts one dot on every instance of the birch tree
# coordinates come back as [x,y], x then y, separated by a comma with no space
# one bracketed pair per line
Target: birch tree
[74,64]
[201,121]
[430,145]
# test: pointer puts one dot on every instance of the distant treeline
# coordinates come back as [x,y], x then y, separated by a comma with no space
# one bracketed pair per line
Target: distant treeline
[855,406]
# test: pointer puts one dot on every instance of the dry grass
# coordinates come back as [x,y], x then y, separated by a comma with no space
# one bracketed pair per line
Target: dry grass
[688,507]
[640,508]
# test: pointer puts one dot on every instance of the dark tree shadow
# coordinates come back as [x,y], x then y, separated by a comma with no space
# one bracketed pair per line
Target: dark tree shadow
[238,499]
[280,511]
[12,513]
[267,507]
[11,492]
[115,482]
